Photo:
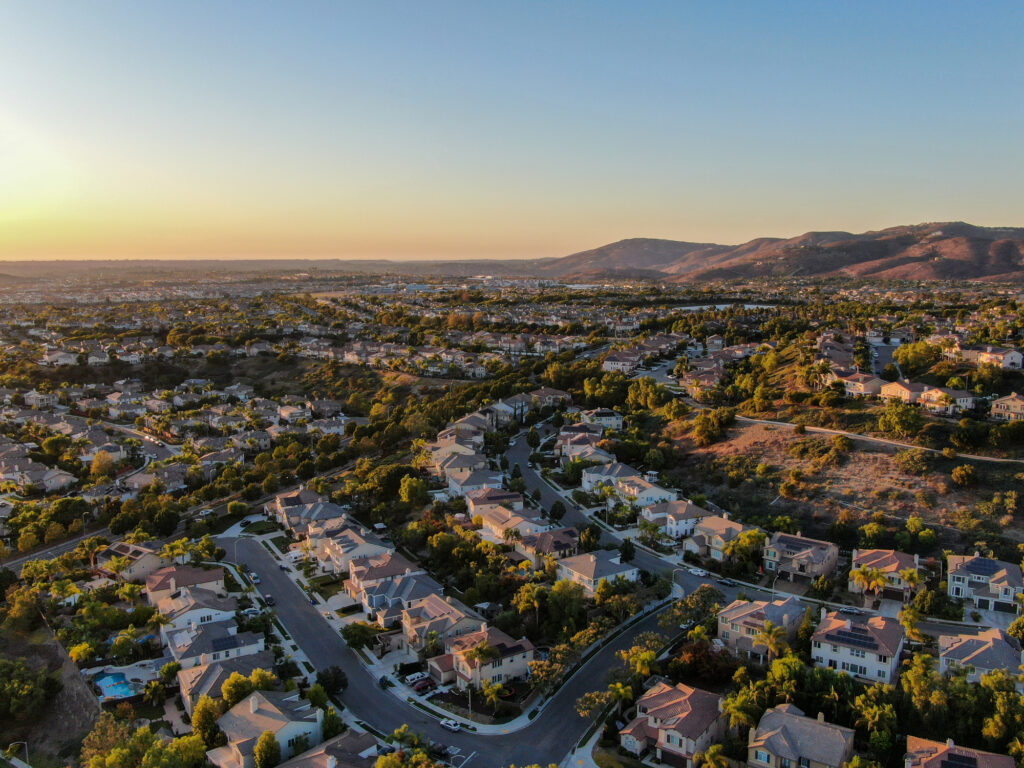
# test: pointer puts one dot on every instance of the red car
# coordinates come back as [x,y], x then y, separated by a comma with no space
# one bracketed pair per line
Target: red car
[424,685]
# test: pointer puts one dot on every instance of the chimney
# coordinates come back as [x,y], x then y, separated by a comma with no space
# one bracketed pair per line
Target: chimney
[849,624]
[824,612]
[821,717]
[949,743]
[332,761]
[254,704]
[174,584]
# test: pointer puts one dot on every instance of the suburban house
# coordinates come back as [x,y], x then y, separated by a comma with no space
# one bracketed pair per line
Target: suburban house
[207,679]
[350,749]
[946,402]
[339,541]
[984,652]
[606,474]
[590,568]
[642,493]
[1009,408]
[163,582]
[904,391]
[500,520]
[795,555]
[675,722]
[384,601]
[298,518]
[889,562]
[1000,356]
[192,606]
[293,721]
[860,384]
[434,613]
[868,648]
[462,481]
[740,622]
[486,498]
[558,543]
[196,645]
[677,518]
[142,560]
[925,753]
[606,418]
[712,534]
[509,659]
[283,502]
[365,573]
[622,361]
[985,583]
[786,737]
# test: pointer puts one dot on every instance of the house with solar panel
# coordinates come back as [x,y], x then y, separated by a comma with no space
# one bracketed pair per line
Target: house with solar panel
[925,753]
[868,648]
[984,583]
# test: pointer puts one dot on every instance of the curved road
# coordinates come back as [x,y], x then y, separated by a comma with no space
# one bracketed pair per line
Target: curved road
[548,739]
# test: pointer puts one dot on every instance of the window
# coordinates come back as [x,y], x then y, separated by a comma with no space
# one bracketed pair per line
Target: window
[857,652]
[724,635]
[805,763]
[883,659]
[817,644]
[763,757]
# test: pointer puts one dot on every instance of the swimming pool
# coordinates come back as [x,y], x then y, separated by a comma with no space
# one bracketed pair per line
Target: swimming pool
[114,686]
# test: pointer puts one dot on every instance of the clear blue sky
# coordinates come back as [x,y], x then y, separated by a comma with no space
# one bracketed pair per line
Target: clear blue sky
[454,129]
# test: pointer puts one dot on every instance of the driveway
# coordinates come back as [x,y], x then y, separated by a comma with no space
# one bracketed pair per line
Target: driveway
[548,739]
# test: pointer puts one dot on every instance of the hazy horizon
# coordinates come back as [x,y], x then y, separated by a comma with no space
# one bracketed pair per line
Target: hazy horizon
[462,131]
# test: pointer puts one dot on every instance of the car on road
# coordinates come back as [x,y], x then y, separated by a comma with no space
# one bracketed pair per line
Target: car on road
[851,611]
[269,600]
[511,443]
[254,577]
[451,725]
[698,572]
[245,523]
[282,566]
[726,582]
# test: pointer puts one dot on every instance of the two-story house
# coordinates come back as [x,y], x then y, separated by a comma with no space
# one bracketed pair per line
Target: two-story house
[553,544]
[194,606]
[786,738]
[503,660]
[712,534]
[199,644]
[591,568]
[892,564]
[796,556]
[1009,408]
[987,651]
[294,722]
[677,519]
[642,493]
[925,753]
[606,474]
[741,622]
[163,582]
[868,648]
[434,614]
[675,723]
[985,583]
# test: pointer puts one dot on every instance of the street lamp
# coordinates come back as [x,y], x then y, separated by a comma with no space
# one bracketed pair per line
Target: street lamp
[15,743]
[777,574]
[674,579]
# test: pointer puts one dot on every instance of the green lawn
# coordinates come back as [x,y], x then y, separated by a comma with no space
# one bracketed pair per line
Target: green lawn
[327,586]
[261,527]
[282,543]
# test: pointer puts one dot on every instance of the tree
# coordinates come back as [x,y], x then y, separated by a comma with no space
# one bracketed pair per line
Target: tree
[169,671]
[557,511]
[773,638]
[333,724]
[713,757]
[235,688]
[358,634]
[107,734]
[900,420]
[267,752]
[204,720]
[533,438]
[333,680]
[317,696]
[102,465]
[627,550]
[493,693]
[414,491]
[869,579]
[964,475]
[696,606]
[154,693]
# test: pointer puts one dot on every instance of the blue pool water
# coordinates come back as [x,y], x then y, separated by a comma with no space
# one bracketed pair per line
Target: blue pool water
[115,686]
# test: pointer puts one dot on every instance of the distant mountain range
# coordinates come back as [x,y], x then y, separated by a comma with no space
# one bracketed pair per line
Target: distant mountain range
[943,251]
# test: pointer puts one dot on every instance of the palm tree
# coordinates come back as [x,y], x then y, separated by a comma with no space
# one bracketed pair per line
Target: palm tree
[712,757]
[130,592]
[773,638]
[88,549]
[620,693]
[699,634]
[869,579]
[154,693]
[912,578]
[492,694]
[156,621]
[909,616]
[118,565]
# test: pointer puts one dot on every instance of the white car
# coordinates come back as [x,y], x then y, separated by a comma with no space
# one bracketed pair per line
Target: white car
[254,577]
[451,725]
[698,572]
[415,677]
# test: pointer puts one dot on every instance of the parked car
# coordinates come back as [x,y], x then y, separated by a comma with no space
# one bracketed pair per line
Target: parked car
[415,677]
[269,599]
[726,582]
[698,572]
[424,685]
[255,577]
[850,610]
[451,725]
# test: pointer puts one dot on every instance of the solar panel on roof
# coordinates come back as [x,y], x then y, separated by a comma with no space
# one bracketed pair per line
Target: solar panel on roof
[856,639]
[956,760]
[223,643]
[981,567]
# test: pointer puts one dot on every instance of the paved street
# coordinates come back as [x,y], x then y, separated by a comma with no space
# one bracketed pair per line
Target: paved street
[547,739]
